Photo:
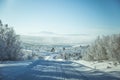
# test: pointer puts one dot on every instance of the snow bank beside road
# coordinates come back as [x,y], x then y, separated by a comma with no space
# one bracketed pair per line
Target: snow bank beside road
[105,66]
[15,63]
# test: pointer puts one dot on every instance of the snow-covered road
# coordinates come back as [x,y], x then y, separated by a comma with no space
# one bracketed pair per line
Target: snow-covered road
[55,70]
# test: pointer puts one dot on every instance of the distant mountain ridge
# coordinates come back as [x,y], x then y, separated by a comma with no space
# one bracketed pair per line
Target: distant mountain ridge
[56,39]
[46,33]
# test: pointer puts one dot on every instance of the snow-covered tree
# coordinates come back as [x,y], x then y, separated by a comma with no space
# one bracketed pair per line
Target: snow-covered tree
[9,43]
[104,48]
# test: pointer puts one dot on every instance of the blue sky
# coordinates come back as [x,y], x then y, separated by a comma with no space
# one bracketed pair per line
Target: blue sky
[94,17]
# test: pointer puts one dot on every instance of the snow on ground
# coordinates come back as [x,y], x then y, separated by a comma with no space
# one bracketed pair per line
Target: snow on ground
[52,69]
[10,69]
[59,68]
[14,63]
[49,55]
[52,57]
[105,66]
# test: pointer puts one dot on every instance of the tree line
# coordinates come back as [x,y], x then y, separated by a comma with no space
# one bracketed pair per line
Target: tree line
[104,48]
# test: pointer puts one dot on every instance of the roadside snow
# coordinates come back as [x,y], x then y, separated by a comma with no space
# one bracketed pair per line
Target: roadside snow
[14,63]
[105,66]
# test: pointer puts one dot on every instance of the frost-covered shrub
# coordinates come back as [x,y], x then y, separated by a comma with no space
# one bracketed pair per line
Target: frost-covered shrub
[9,43]
[104,48]
[29,55]
[73,53]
